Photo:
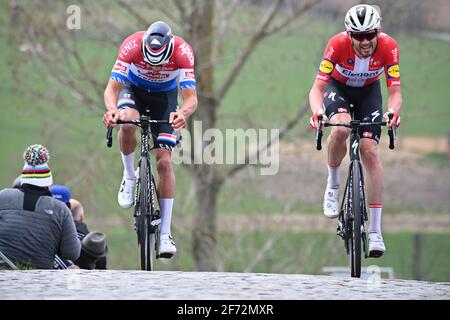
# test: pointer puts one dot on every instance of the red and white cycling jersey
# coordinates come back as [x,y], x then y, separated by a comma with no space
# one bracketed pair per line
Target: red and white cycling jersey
[341,63]
[131,67]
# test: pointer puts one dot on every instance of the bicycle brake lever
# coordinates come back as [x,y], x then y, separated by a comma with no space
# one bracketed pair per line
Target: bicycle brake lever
[180,138]
[109,137]
[392,137]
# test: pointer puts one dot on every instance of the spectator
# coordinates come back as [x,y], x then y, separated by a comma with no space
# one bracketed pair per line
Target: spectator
[82,230]
[91,256]
[62,193]
[34,227]
[17,183]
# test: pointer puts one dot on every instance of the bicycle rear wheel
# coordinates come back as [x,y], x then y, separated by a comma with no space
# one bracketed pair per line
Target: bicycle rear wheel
[355,234]
[145,237]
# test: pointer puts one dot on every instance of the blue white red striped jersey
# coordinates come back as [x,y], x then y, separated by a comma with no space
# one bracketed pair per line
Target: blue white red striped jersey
[131,67]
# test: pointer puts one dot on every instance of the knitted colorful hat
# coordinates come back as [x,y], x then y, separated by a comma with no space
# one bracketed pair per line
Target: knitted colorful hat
[36,170]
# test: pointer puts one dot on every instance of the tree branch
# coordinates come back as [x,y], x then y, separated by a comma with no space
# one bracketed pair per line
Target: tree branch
[182,10]
[252,43]
[261,253]
[167,12]
[226,10]
[133,12]
[296,14]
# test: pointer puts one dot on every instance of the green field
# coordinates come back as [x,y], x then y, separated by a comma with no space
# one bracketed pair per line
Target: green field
[303,253]
[270,89]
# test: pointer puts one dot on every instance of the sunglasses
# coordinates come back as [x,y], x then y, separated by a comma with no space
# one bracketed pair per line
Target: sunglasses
[361,36]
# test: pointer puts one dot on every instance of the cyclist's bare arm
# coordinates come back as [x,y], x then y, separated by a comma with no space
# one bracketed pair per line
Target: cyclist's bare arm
[189,101]
[316,97]
[178,119]
[395,98]
[111,96]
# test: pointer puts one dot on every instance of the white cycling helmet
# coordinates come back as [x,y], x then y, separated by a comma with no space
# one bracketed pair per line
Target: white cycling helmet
[362,18]
[158,44]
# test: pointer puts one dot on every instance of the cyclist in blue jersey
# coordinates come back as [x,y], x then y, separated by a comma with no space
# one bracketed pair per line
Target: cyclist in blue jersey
[144,81]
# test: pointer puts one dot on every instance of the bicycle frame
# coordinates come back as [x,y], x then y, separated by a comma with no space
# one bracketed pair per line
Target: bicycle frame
[353,211]
[355,155]
[146,204]
[145,133]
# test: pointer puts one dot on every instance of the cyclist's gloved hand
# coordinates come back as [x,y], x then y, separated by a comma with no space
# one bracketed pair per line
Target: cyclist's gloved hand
[177,120]
[395,121]
[314,120]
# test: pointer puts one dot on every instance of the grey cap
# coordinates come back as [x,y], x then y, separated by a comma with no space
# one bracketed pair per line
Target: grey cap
[94,244]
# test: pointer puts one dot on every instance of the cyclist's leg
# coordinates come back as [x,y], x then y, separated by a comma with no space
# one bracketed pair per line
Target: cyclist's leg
[128,105]
[164,140]
[369,109]
[337,110]
[165,187]
[162,104]
[370,156]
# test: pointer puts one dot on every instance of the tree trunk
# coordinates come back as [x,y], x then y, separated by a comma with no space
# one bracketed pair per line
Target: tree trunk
[417,258]
[205,221]
[206,177]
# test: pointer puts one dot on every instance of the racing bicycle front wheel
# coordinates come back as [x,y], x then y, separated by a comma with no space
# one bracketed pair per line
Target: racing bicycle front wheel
[146,239]
[355,241]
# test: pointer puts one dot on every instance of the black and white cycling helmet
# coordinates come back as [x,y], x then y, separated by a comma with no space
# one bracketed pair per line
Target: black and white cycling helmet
[157,44]
[362,18]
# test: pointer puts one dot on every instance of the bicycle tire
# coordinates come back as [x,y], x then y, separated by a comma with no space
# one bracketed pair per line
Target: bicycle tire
[355,241]
[155,213]
[146,239]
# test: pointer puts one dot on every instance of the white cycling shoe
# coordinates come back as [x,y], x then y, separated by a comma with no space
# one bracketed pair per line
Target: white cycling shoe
[331,202]
[125,196]
[166,246]
[376,245]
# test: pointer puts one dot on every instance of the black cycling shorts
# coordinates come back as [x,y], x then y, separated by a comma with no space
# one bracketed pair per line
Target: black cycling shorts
[367,105]
[156,105]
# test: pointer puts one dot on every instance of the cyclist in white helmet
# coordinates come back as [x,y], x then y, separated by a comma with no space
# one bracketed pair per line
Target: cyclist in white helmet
[349,74]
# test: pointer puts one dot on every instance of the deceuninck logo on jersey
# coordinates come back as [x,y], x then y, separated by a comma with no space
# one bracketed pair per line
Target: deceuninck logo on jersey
[326,66]
[393,71]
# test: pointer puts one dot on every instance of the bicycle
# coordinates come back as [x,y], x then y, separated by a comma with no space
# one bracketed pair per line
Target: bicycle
[353,212]
[146,204]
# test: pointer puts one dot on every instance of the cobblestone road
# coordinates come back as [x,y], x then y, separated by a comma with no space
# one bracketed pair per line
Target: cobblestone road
[110,284]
